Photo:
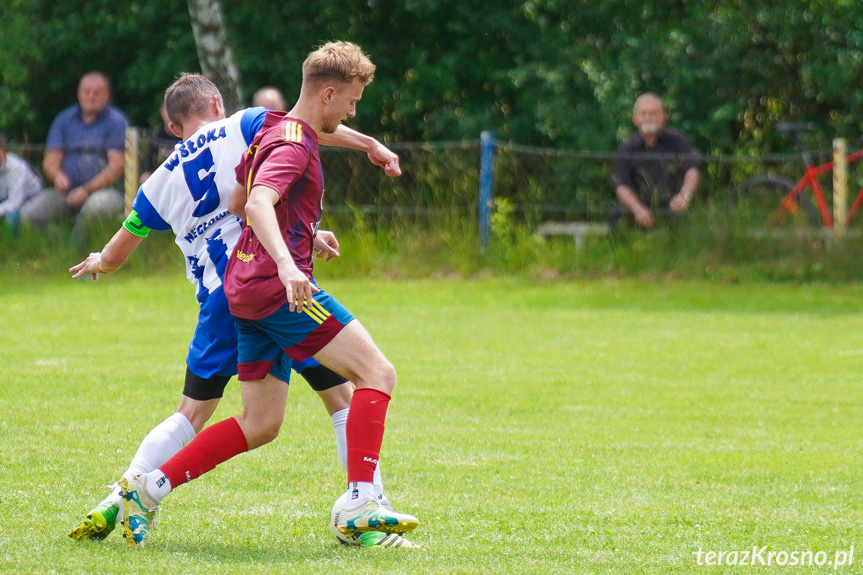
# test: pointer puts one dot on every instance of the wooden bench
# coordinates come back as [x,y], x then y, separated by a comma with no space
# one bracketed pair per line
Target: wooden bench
[578,230]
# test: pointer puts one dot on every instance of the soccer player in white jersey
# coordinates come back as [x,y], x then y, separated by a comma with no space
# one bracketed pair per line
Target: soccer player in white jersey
[189,194]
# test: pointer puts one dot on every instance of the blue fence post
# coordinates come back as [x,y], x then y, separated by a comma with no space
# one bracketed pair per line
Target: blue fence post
[12,224]
[486,183]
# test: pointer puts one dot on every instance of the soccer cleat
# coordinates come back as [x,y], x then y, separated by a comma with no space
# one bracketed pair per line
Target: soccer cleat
[385,503]
[378,539]
[374,517]
[98,524]
[139,510]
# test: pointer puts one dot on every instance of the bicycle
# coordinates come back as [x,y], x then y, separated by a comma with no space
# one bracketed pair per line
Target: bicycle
[758,195]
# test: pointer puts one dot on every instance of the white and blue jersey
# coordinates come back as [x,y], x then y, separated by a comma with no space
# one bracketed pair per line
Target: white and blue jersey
[188,194]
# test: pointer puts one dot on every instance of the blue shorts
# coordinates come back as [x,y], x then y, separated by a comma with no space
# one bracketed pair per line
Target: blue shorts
[213,349]
[271,344]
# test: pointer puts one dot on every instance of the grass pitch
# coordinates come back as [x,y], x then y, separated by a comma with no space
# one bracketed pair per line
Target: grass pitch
[590,427]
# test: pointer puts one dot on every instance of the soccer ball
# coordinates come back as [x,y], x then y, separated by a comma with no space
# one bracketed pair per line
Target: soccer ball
[334,521]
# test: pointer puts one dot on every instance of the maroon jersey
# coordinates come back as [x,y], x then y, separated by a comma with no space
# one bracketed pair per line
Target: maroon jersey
[284,157]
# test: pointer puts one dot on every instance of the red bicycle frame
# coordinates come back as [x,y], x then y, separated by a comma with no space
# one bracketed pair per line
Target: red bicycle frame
[811,180]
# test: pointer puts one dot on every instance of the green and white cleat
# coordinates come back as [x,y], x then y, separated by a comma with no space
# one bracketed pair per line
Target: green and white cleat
[139,510]
[372,516]
[98,524]
[378,539]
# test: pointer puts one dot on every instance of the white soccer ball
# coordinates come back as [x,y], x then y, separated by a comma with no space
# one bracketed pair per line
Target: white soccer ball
[334,521]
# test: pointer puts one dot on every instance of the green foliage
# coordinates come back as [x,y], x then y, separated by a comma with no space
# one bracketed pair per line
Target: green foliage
[18,54]
[711,244]
[52,251]
[141,46]
[541,72]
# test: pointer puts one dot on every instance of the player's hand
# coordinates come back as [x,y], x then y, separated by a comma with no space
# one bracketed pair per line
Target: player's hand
[298,287]
[92,265]
[326,244]
[77,197]
[382,156]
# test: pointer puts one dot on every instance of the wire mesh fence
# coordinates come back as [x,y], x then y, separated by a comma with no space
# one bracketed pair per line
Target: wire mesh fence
[538,185]
[442,181]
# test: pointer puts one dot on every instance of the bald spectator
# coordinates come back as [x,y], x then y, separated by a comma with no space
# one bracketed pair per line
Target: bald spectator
[18,181]
[84,158]
[270,98]
[655,170]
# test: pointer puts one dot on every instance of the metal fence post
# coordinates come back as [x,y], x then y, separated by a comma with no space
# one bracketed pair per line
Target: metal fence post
[486,182]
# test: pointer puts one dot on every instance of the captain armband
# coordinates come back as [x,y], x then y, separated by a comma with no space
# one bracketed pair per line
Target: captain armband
[134,226]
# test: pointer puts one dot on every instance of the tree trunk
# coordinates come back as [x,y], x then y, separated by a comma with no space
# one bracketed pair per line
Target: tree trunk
[214,51]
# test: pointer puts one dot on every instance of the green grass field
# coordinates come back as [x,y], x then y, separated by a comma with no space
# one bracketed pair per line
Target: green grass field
[585,427]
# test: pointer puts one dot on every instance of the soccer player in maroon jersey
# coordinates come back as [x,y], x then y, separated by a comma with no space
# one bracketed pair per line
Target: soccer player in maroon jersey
[282,315]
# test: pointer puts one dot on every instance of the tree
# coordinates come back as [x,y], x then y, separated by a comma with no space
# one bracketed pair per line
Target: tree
[19,54]
[555,73]
[214,50]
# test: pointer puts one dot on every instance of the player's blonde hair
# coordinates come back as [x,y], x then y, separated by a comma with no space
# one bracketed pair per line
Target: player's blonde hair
[338,62]
[189,96]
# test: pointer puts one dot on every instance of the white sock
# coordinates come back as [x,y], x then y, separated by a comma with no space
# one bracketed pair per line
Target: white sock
[116,497]
[379,483]
[161,444]
[340,421]
[158,446]
[157,485]
[359,492]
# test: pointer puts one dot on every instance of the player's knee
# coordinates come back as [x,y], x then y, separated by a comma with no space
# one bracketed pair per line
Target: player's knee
[386,377]
[262,432]
[262,436]
[270,433]
[196,417]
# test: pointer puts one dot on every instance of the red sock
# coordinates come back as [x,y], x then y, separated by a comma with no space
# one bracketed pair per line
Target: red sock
[365,432]
[219,442]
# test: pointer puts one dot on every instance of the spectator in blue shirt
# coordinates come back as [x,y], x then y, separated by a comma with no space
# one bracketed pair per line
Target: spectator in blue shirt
[84,157]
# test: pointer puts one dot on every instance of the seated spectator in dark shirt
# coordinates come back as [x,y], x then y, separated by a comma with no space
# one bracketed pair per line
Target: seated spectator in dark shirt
[157,145]
[84,158]
[18,181]
[655,170]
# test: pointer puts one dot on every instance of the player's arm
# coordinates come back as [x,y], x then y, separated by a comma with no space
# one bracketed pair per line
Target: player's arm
[379,154]
[237,201]
[261,216]
[116,252]
[111,258]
